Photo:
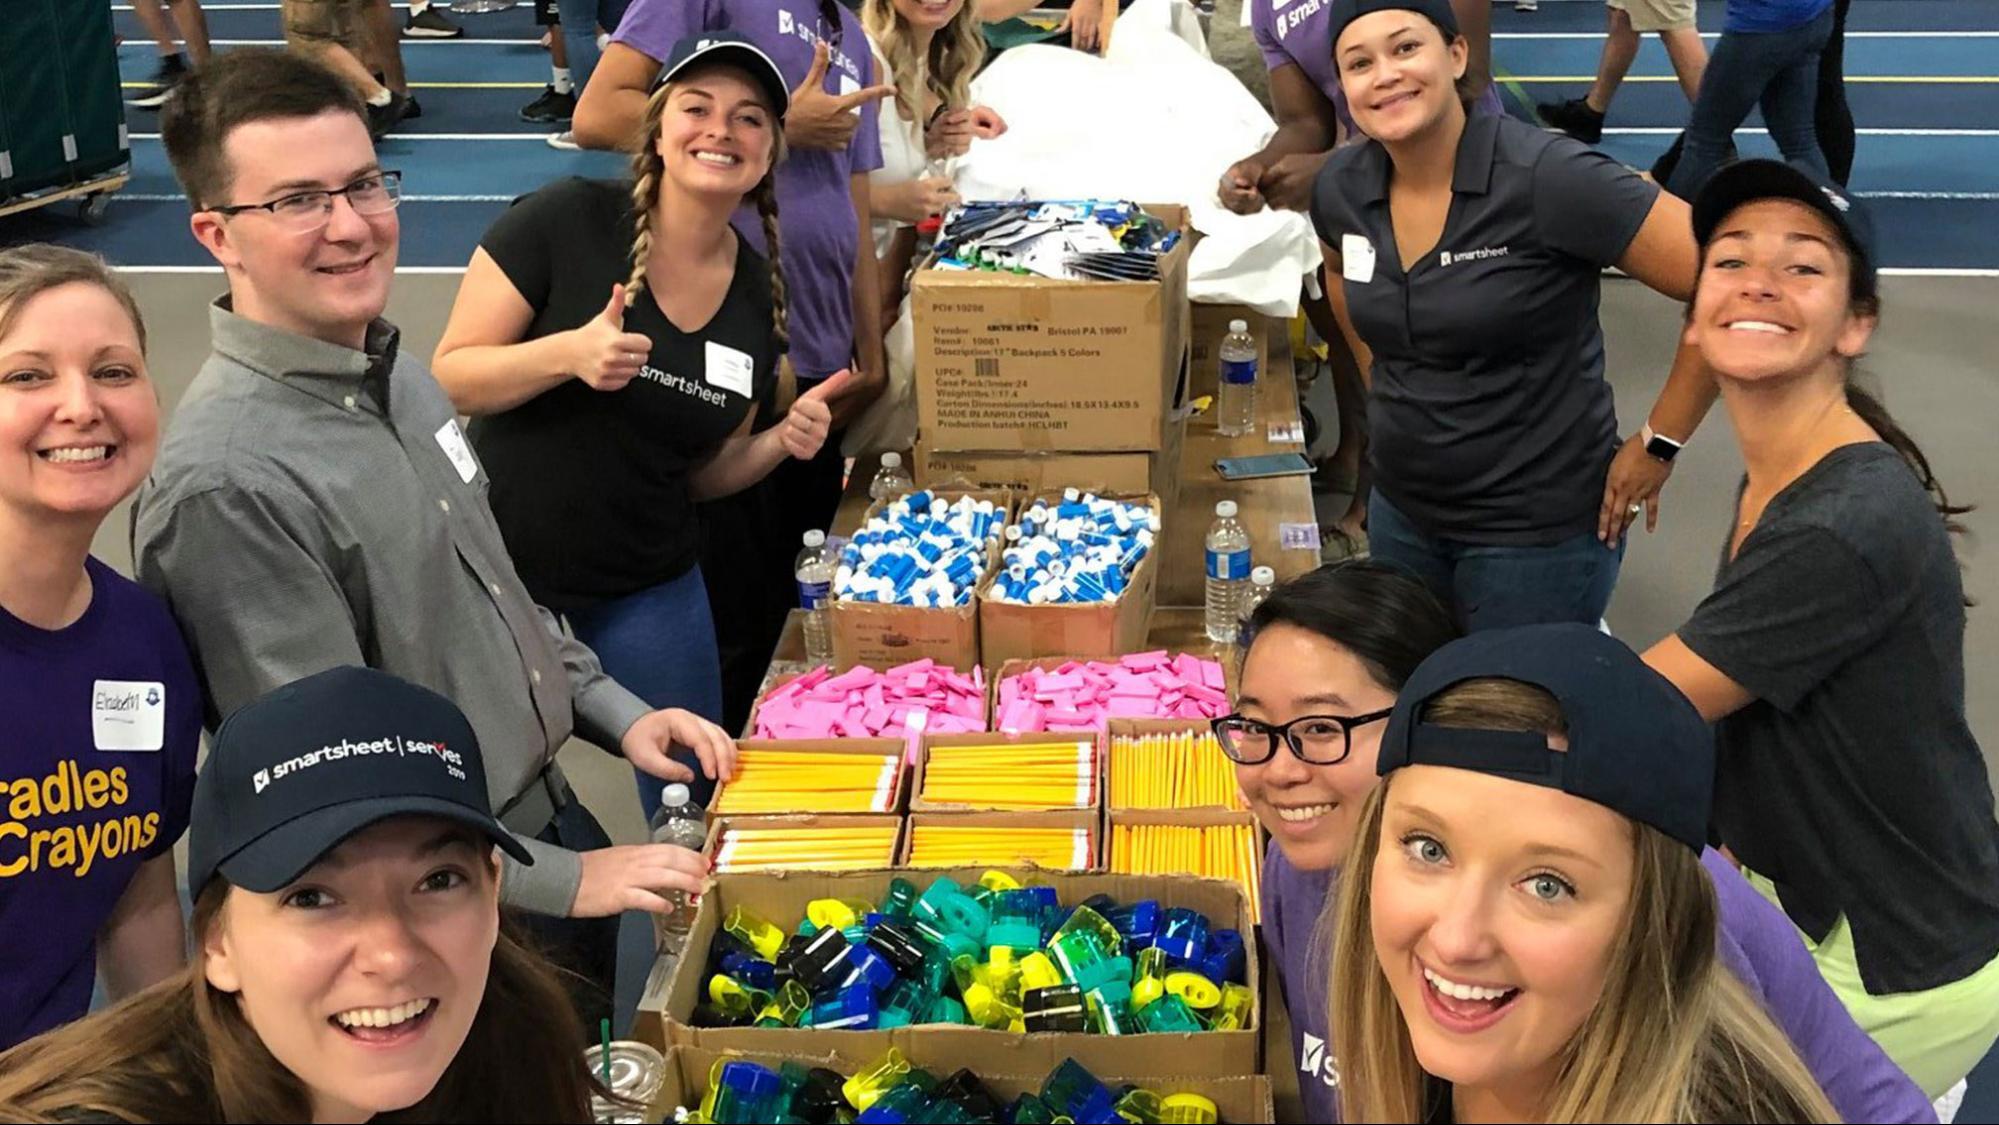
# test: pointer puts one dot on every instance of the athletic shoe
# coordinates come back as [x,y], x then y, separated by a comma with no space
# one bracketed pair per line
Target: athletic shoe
[155,93]
[1574,117]
[413,111]
[550,109]
[430,24]
[1526,5]
[565,140]
[382,118]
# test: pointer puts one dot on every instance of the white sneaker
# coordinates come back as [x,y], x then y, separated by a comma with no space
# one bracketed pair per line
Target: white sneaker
[1526,5]
[565,140]
[603,40]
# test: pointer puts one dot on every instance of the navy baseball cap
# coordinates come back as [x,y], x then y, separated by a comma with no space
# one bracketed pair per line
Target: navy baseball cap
[293,773]
[735,50]
[1636,744]
[1746,181]
[1344,12]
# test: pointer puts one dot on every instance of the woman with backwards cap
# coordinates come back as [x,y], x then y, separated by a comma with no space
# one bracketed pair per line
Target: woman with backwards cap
[1830,654]
[1328,652]
[348,959]
[616,342]
[1470,248]
[1527,932]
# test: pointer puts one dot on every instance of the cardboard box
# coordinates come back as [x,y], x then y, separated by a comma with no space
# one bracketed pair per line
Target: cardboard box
[883,636]
[848,747]
[1087,857]
[1100,630]
[1136,728]
[1206,326]
[1113,724]
[1195,818]
[781,897]
[1007,361]
[1239,1098]
[1037,471]
[918,803]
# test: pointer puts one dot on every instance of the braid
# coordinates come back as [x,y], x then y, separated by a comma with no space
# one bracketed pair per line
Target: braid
[766,200]
[646,170]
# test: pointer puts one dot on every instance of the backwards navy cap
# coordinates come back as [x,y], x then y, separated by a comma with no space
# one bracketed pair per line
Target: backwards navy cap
[1344,12]
[1636,745]
[735,49]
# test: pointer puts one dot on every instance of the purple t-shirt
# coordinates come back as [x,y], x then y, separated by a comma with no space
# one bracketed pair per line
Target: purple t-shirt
[1299,32]
[815,204]
[96,774]
[1756,941]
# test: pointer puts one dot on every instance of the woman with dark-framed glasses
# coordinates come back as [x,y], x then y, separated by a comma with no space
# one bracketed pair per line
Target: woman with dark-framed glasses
[1328,653]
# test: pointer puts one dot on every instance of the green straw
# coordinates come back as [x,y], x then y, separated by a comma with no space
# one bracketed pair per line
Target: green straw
[604,1031]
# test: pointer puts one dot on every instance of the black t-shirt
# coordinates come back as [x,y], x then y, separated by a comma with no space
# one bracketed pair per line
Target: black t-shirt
[590,488]
[1853,782]
[1489,417]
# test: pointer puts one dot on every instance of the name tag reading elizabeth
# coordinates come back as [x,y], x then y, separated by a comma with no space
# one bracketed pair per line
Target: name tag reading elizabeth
[729,369]
[1356,258]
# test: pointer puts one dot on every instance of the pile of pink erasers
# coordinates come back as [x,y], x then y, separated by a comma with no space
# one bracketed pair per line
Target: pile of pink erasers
[1081,696]
[864,703]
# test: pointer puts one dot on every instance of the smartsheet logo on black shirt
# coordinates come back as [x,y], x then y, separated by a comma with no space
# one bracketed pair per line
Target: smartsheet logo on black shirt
[1479,254]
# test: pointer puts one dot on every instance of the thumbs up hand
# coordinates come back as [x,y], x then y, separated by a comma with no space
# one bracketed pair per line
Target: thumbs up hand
[810,420]
[602,353]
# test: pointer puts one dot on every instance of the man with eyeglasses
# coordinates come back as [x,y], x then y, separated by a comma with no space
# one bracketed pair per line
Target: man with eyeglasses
[315,505]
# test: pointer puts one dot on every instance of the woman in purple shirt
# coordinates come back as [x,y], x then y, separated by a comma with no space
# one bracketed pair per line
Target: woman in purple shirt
[1328,653]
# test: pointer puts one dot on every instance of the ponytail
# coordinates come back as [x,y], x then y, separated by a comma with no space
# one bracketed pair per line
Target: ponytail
[765,197]
[647,167]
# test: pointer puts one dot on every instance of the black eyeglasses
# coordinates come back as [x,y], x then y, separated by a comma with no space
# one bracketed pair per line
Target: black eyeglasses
[311,210]
[1318,740]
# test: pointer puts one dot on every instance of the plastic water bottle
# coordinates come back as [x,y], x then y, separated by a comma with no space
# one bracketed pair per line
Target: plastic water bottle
[683,823]
[1228,573]
[891,480]
[815,590]
[1261,581]
[1235,408]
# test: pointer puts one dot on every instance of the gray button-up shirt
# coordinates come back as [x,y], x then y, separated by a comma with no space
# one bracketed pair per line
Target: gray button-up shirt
[314,506]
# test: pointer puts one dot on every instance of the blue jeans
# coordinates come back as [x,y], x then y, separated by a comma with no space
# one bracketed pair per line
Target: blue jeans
[1494,587]
[1780,71]
[580,21]
[660,644]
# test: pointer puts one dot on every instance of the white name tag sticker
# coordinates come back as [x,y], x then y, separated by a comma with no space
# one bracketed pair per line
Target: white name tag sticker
[729,369]
[128,714]
[849,86]
[452,441]
[1356,258]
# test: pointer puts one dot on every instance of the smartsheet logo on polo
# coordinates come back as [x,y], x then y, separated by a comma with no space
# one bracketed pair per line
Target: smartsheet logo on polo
[454,762]
[1477,255]
[1315,1060]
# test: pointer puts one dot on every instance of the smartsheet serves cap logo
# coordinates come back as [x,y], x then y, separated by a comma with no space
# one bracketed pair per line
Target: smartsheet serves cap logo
[1838,201]
[454,762]
[1445,258]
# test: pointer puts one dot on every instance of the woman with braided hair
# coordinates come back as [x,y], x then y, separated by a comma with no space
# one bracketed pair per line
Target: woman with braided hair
[616,344]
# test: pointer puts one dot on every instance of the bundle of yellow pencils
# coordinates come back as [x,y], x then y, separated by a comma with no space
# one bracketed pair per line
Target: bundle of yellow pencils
[939,845]
[1226,851]
[1184,770]
[771,780]
[835,848]
[1013,775]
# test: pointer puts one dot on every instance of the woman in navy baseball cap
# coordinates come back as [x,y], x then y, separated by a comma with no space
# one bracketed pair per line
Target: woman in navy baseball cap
[1528,933]
[348,959]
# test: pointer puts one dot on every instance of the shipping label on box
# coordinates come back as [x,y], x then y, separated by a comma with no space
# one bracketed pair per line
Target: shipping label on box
[1037,471]
[1009,361]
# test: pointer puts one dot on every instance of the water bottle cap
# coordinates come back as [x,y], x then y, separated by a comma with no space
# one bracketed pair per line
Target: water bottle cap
[1263,576]
[1238,325]
[1226,509]
[815,538]
[674,796]
[891,460]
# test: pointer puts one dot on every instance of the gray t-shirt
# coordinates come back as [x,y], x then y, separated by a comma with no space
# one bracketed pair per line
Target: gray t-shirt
[1489,419]
[1853,781]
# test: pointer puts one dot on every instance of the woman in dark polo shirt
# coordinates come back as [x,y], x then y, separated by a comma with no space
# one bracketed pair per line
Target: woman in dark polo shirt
[1471,248]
